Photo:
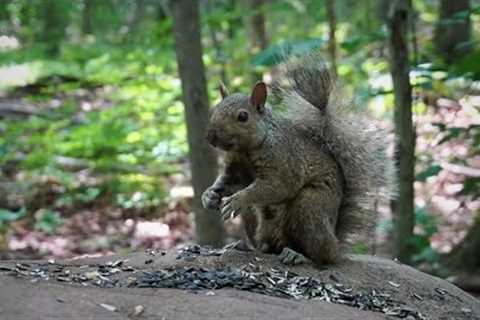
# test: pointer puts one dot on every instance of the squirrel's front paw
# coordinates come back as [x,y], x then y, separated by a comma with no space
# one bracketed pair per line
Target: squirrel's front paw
[232,206]
[211,199]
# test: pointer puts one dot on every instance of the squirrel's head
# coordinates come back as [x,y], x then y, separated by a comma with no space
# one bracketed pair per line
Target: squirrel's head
[237,122]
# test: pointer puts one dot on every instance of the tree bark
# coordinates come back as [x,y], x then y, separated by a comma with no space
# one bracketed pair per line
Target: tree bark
[137,15]
[259,39]
[403,207]
[332,41]
[258,33]
[453,30]
[87,17]
[54,23]
[4,14]
[219,52]
[203,161]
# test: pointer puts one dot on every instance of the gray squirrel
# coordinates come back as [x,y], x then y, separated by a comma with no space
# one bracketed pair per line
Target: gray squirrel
[303,174]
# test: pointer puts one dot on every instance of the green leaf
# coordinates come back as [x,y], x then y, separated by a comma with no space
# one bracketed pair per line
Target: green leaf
[48,221]
[277,53]
[440,126]
[471,185]
[8,216]
[89,195]
[428,254]
[451,134]
[426,222]
[468,65]
[430,172]
[360,248]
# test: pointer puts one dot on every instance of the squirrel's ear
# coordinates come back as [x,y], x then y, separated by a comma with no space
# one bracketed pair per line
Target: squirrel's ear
[259,96]
[223,90]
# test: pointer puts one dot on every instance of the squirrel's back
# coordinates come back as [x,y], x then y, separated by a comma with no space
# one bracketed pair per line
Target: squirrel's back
[352,138]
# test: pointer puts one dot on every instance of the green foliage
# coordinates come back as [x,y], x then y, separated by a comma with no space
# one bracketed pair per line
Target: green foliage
[429,172]
[117,113]
[426,226]
[139,131]
[47,221]
[279,52]
[471,186]
[355,42]
[360,248]
[7,216]
[137,191]
[469,66]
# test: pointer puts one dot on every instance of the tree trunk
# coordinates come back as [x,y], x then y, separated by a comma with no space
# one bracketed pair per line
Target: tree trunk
[403,207]
[258,34]
[259,39]
[54,24]
[137,15]
[219,52]
[453,30]
[332,27]
[188,48]
[5,14]
[87,17]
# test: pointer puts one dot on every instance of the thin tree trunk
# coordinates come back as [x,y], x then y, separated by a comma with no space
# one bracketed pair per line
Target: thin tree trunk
[54,24]
[259,39]
[4,14]
[219,53]
[258,33]
[188,48]
[368,16]
[87,17]
[453,30]
[137,15]
[403,207]
[332,41]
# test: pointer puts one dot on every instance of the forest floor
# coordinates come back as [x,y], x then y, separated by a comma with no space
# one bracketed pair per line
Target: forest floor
[144,285]
[73,209]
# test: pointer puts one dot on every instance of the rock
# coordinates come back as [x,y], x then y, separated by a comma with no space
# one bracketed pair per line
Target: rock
[391,289]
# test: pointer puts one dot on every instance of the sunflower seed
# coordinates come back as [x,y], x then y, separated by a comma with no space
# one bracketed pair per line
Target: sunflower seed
[108,307]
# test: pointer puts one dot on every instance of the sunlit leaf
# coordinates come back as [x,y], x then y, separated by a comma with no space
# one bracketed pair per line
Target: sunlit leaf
[8,216]
[277,53]
[430,172]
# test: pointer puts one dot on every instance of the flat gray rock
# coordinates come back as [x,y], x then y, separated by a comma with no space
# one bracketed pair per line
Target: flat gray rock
[70,289]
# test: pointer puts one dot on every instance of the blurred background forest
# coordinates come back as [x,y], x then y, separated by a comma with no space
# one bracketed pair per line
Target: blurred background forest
[93,139]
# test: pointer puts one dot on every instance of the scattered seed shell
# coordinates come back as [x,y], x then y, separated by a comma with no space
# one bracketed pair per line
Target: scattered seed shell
[108,307]
[137,310]
[393,284]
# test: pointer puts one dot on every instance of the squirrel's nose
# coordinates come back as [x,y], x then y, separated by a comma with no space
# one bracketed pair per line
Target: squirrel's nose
[212,137]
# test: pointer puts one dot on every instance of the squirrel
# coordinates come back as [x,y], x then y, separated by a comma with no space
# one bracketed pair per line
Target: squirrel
[305,175]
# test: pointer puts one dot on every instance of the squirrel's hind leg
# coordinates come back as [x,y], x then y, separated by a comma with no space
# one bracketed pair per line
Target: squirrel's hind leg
[250,225]
[269,237]
[311,226]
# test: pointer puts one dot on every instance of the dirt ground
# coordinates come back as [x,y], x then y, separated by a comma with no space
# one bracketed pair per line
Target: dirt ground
[51,299]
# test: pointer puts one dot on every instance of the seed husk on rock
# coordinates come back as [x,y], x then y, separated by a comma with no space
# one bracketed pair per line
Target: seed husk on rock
[252,277]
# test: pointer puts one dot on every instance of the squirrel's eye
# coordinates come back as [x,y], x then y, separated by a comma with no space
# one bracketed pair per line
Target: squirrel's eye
[242,116]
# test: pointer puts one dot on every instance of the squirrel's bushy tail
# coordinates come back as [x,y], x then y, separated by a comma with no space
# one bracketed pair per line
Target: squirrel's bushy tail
[348,134]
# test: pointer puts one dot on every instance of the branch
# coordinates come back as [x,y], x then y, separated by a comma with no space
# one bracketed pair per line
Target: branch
[462,170]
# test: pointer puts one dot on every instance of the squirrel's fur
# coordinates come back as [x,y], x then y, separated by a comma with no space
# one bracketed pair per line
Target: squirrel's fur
[359,146]
[306,176]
